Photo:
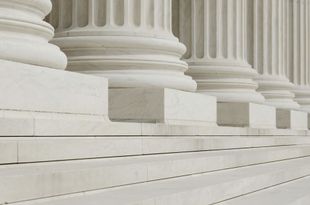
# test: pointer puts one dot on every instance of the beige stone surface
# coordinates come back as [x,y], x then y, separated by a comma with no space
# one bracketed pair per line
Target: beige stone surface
[246,115]
[292,119]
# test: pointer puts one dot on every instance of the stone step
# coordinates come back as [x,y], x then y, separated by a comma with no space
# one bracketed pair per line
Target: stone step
[39,180]
[35,149]
[202,189]
[304,200]
[292,193]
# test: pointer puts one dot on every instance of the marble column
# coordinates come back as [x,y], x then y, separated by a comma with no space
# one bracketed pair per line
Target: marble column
[24,35]
[128,41]
[299,65]
[214,32]
[268,50]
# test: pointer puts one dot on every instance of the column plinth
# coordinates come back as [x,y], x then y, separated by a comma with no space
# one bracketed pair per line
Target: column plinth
[214,32]
[129,42]
[268,47]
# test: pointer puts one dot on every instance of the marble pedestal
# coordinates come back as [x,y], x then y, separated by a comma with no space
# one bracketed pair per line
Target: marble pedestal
[246,115]
[35,99]
[158,105]
[292,119]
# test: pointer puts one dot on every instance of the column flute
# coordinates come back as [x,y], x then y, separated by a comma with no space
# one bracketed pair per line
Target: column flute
[214,32]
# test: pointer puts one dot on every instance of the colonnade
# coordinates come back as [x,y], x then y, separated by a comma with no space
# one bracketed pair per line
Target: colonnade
[240,51]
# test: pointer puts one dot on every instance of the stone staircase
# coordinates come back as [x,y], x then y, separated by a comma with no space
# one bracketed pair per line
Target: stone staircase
[161,170]
[292,193]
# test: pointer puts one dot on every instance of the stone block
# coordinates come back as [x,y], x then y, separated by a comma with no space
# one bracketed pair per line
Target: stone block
[8,151]
[246,115]
[33,88]
[292,119]
[39,100]
[161,106]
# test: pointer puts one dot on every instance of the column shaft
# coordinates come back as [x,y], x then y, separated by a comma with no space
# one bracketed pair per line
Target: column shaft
[128,41]
[214,32]
[268,47]
[300,45]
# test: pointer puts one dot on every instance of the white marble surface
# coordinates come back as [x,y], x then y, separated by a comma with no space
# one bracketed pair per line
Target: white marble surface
[34,179]
[24,35]
[55,148]
[29,88]
[215,33]
[292,193]
[268,38]
[300,48]
[199,189]
[162,106]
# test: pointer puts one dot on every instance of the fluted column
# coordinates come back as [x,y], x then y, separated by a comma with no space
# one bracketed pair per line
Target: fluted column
[128,41]
[268,47]
[24,35]
[214,32]
[299,70]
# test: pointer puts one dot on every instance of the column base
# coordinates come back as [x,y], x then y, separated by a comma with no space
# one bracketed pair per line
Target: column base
[277,91]
[149,61]
[227,81]
[246,115]
[292,119]
[156,105]
[302,97]
[35,99]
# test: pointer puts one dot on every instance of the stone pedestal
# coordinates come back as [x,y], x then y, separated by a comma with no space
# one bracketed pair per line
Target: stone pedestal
[129,42]
[246,115]
[35,98]
[214,32]
[292,119]
[162,106]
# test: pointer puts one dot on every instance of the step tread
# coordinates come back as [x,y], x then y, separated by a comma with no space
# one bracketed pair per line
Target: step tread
[276,153]
[285,194]
[33,180]
[35,149]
